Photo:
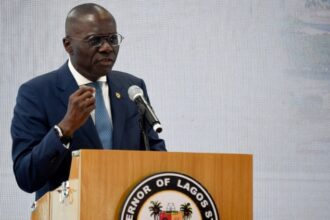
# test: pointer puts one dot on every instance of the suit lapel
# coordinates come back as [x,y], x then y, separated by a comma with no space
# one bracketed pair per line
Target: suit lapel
[67,85]
[117,96]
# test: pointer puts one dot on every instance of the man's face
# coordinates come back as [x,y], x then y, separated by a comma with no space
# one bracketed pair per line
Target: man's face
[89,60]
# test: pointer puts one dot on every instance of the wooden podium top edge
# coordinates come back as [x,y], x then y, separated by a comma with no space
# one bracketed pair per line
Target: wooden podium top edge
[84,151]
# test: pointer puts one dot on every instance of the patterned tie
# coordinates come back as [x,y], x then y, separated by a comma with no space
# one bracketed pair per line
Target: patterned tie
[102,119]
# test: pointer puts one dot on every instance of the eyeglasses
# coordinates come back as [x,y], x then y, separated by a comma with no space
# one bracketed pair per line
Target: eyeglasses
[97,40]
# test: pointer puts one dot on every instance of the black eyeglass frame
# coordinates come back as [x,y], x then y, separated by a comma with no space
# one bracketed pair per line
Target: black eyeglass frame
[99,40]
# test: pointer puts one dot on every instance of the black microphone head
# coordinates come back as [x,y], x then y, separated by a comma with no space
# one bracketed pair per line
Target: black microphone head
[134,91]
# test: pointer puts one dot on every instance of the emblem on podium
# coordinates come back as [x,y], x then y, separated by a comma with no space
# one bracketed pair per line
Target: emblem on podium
[169,196]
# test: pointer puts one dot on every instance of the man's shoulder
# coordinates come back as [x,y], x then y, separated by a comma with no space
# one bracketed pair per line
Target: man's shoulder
[124,78]
[41,79]
[115,74]
[45,79]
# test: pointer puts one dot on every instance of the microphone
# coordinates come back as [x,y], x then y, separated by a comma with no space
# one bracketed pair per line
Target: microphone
[135,93]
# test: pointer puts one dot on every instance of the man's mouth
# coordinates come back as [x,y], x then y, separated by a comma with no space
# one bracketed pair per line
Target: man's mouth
[106,61]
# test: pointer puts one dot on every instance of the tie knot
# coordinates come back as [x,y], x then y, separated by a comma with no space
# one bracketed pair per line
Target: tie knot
[96,84]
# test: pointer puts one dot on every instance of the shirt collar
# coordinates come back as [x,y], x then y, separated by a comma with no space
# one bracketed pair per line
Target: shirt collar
[80,79]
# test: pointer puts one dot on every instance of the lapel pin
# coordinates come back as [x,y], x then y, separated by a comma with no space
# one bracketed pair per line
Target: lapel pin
[118,95]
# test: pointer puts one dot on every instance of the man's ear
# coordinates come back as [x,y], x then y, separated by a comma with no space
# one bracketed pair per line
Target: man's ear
[67,45]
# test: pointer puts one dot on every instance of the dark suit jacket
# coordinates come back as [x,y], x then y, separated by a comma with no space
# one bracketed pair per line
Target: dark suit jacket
[41,163]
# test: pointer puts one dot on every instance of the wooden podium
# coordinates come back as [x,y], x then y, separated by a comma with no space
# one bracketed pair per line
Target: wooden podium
[100,181]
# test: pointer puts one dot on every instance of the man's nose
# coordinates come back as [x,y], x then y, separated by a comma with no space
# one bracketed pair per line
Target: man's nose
[105,46]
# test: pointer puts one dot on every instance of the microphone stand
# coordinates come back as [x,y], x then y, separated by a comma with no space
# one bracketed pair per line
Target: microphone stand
[141,110]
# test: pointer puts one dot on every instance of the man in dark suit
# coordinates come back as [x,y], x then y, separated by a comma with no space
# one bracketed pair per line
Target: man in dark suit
[56,113]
